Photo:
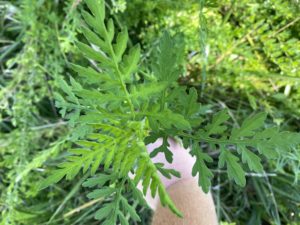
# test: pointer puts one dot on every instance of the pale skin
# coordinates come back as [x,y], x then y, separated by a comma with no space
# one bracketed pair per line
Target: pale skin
[197,207]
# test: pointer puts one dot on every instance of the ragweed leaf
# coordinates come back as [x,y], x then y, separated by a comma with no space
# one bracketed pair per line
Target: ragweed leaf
[251,159]
[249,125]
[234,169]
[216,126]
[200,168]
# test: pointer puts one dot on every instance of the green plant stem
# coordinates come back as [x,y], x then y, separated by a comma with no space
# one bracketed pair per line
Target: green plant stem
[119,72]
[162,103]
[215,140]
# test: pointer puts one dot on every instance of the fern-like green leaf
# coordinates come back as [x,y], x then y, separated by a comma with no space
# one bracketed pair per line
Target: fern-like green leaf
[200,168]
[234,169]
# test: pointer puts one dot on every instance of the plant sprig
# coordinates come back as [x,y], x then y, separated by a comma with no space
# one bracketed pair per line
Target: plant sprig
[121,115]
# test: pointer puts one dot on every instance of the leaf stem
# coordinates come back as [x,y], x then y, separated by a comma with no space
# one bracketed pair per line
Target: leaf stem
[115,63]
[162,103]
[215,140]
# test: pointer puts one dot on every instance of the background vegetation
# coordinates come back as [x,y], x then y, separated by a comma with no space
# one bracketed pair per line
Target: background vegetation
[241,55]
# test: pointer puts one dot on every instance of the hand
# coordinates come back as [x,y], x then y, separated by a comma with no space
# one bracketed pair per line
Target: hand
[182,162]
